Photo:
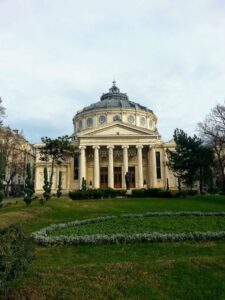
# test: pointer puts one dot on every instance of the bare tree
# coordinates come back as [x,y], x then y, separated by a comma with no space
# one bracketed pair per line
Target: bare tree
[212,130]
[2,112]
[12,155]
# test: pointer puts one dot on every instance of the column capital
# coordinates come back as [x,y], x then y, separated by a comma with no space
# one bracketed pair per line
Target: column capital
[96,147]
[139,146]
[151,147]
[110,147]
[125,146]
[82,147]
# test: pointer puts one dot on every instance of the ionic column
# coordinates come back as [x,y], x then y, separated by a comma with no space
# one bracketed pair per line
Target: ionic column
[125,164]
[82,164]
[153,168]
[96,167]
[140,166]
[110,168]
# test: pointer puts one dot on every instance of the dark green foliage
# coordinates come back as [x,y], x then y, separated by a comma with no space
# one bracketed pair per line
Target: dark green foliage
[1,190]
[155,193]
[192,161]
[1,196]
[16,252]
[47,191]
[59,190]
[179,185]
[55,151]
[111,193]
[167,184]
[84,184]
[213,190]
[94,194]
[29,186]
[186,193]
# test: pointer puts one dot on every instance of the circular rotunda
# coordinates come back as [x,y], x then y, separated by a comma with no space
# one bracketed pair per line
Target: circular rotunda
[114,106]
[114,137]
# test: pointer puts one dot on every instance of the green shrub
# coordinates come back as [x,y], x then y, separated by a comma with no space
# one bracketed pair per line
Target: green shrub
[16,252]
[1,196]
[1,190]
[29,186]
[93,194]
[155,193]
[213,190]
[192,192]
[59,190]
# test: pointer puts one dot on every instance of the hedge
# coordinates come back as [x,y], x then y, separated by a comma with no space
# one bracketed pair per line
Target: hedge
[130,238]
[95,194]
[42,238]
[137,193]
[16,252]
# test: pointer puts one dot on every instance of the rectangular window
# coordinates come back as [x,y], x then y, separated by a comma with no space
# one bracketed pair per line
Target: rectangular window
[158,165]
[76,167]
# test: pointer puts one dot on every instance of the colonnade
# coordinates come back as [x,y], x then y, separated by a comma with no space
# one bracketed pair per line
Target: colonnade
[96,179]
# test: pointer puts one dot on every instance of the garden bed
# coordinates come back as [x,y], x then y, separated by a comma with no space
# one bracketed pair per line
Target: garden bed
[131,228]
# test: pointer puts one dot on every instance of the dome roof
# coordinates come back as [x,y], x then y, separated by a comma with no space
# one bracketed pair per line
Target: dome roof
[114,99]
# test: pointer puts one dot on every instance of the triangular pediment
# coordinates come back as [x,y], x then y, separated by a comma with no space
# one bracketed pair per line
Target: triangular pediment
[117,129]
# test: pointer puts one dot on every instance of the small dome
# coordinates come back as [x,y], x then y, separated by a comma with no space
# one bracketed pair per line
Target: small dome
[114,99]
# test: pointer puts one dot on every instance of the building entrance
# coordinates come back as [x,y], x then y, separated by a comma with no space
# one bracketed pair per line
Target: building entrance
[103,177]
[131,172]
[117,177]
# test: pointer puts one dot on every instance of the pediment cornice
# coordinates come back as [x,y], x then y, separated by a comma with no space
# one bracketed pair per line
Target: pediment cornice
[116,129]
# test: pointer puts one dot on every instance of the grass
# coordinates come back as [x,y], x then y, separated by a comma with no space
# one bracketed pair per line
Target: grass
[136,271]
[146,225]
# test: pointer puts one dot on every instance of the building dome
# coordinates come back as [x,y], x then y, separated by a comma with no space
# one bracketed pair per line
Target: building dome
[114,99]
[114,106]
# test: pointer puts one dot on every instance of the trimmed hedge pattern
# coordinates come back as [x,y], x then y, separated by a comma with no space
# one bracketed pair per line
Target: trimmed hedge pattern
[42,237]
[133,238]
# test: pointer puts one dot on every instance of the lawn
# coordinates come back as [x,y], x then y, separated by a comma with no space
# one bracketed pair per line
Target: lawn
[184,270]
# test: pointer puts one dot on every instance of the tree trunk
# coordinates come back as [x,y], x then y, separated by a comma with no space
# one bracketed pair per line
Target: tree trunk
[51,176]
[200,180]
[8,183]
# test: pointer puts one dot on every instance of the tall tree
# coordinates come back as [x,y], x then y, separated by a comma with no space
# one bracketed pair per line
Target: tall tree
[192,160]
[46,194]
[212,130]
[2,112]
[1,179]
[29,185]
[59,190]
[56,151]
[12,155]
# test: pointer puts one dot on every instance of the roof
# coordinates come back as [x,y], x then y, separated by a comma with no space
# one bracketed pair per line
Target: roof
[114,99]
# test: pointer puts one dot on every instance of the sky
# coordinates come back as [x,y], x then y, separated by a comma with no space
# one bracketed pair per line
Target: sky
[57,56]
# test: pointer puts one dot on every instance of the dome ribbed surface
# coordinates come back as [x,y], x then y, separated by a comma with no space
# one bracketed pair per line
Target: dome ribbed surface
[114,99]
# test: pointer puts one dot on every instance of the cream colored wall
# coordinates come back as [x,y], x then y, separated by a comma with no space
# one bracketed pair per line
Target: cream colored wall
[110,113]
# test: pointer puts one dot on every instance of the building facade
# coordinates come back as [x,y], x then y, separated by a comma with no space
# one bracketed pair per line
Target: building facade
[15,153]
[112,137]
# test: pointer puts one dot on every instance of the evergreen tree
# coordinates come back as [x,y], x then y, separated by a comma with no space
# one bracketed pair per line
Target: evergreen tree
[29,186]
[59,190]
[192,161]
[84,184]
[46,194]
[55,151]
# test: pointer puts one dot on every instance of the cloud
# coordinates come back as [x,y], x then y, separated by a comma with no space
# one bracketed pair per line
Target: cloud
[57,57]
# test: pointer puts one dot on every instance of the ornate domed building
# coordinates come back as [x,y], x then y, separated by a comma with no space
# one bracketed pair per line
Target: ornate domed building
[112,137]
